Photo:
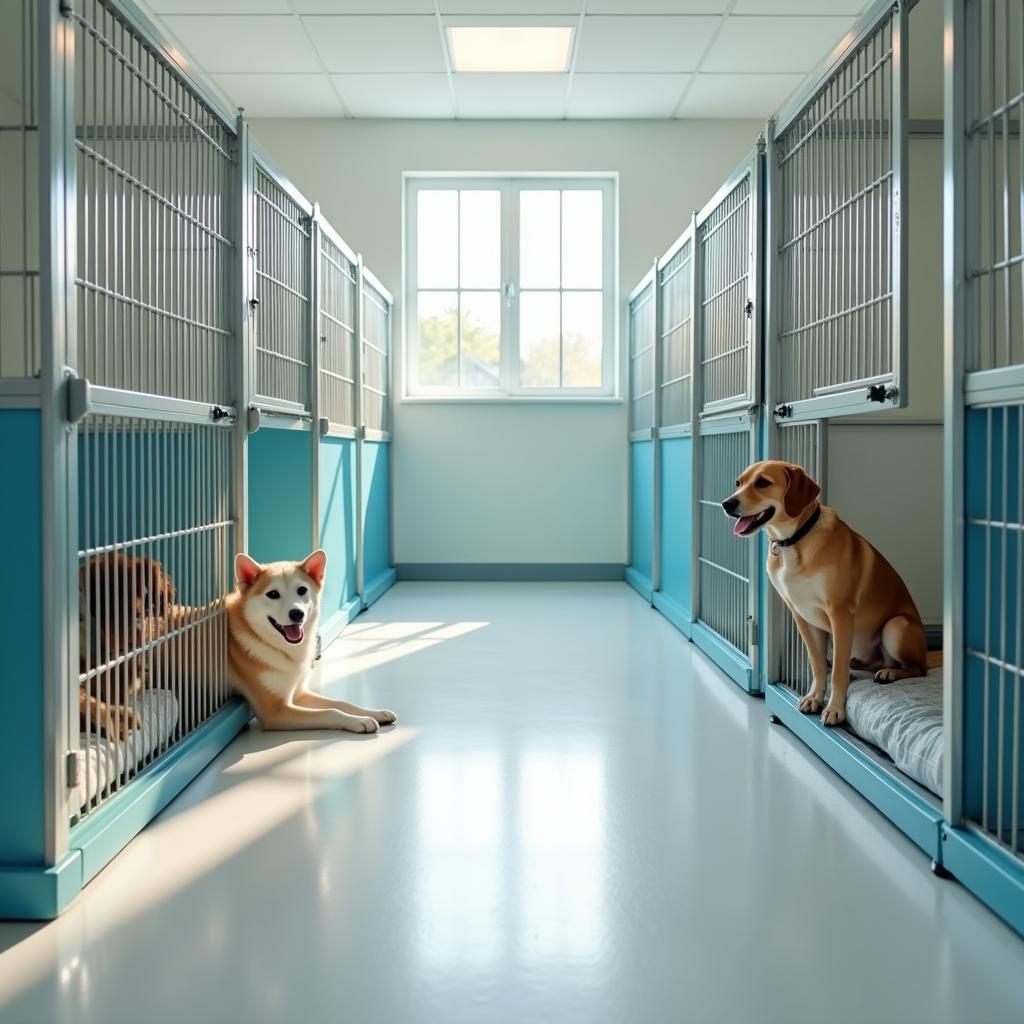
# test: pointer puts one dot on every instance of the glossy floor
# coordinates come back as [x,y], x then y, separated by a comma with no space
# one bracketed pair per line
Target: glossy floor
[575,820]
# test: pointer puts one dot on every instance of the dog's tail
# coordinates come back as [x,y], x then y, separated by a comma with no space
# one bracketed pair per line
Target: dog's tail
[934,659]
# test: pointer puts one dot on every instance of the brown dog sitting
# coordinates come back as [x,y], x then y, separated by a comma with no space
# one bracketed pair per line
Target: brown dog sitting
[834,583]
[122,601]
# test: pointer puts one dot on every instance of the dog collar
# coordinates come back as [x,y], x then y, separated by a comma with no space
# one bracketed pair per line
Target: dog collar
[788,542]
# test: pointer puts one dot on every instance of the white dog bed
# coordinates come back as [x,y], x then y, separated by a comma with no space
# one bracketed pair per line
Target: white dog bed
[902,719]
[104,760]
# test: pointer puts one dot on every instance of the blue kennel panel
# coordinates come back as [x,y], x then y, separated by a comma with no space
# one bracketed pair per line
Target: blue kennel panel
[641,518]
[378,572]
[280,495]
[340,599]
[674,595]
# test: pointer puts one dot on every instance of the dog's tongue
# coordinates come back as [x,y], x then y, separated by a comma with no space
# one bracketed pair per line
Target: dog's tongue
[292,633]
[741,525]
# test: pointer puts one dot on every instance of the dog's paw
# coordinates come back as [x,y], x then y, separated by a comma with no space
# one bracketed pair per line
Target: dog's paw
[384,717]
[811,703]
[886,675]
[365,724]
[833,715]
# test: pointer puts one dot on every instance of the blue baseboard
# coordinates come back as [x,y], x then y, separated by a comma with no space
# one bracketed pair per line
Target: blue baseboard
[994,876]
[510,572]
[37,893]
[377,587]
[640,583]
[731,661]
[675,613]
[331,628]
[918,819]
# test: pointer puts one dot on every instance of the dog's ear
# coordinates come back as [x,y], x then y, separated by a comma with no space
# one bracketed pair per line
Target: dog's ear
[802,490]
[161,588]
[315,566]
[246,570]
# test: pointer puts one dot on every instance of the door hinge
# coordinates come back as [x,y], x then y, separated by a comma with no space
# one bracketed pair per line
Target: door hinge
[78,399]
[783,412]
[72,768]
[748,307]
[752,634]
[252,419]
[882,393]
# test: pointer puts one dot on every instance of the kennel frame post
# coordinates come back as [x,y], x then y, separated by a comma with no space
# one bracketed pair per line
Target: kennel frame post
[360,431]
[696,400]
[317,428]
[656,375]
[245,361]
[58,338]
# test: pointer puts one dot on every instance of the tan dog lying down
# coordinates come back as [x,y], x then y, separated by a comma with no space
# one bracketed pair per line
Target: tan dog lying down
[833,581]
[272,618]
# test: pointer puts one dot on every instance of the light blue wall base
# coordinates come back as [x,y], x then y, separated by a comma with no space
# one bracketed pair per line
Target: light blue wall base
[674,598]
[675,613]
[731,661]
[331,627]
[337,490]
[38,893]
[511,572]
[376,588]
[996,878]
[376,484]
[641,509]
[280,495]
[640,583]
[918,819]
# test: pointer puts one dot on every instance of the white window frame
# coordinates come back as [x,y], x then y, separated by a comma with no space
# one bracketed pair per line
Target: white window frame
[510,185]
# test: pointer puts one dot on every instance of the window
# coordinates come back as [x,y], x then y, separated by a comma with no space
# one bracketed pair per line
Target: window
[509,289]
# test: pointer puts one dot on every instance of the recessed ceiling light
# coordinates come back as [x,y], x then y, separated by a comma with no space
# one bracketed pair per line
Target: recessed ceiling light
[512,49]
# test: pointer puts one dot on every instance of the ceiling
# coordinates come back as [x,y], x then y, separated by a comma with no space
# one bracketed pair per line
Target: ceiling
[389,58]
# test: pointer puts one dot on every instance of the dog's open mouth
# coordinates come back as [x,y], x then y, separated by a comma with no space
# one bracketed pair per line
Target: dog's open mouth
[746,525]
[292,632]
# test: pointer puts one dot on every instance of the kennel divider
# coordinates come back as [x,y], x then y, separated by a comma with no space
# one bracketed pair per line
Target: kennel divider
[640,570]
[983,838]
[727,332]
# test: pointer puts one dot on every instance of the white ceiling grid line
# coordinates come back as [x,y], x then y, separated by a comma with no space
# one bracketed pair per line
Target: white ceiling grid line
[660,59]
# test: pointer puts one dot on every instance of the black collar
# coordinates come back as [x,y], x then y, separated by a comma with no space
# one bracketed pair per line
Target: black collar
[788,542]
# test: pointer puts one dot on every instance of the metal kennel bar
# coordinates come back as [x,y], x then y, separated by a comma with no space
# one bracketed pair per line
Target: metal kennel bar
[838,162]
[675,372]
[804,445]
[338,329]
[153,496]
[984,534]
[728,234]
[375,325]
[641,359]
[283,270]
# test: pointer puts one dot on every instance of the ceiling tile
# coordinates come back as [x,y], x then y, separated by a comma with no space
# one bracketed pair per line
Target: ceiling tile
[357,44]
[730,96]
[511,96]
[515,8]
[657,6]
[395,95]
[281,95]
[851,8]
[643,44]
[363,6]
[622,96]
[220,7]
[264,44]
[751,44]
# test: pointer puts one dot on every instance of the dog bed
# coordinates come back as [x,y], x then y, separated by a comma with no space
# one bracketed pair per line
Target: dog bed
[104,760]
[902,719]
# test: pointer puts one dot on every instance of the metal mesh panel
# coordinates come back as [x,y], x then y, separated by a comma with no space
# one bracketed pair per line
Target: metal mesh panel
[155,548]
[724,561]
[376,355]
[798,444]
[283,272]
[994,65]
[155,201]
[641,360]
[724,290]
[834,167]
[337,335]
[676,292]
[994,630]
[19,201]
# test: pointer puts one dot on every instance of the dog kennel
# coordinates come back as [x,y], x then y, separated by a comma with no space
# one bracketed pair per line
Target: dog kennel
[160,301]
[983,798]
[853,380]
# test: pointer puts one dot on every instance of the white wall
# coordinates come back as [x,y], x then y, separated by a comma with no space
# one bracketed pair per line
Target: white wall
[494,483]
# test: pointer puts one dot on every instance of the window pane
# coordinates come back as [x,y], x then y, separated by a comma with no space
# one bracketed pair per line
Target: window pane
[582,255]
[538,339]
[581,339]
[438,353]
[437,238]
[480,239]
[539,248]
[481,339]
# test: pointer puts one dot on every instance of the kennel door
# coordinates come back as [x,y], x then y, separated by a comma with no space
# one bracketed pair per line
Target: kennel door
[837,246]
[726,572]
[728,299]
